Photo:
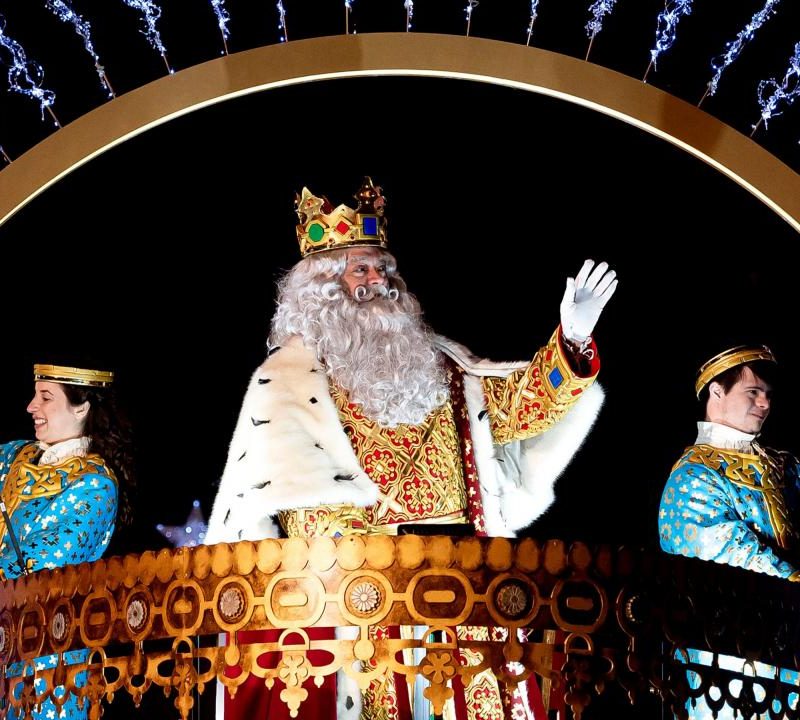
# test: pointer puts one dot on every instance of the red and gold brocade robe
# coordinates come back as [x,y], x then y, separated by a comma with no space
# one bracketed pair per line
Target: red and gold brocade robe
[427,473]
[490,454]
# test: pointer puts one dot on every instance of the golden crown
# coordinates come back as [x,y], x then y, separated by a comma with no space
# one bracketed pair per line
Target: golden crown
[728,359]
[323,227]
[72,375]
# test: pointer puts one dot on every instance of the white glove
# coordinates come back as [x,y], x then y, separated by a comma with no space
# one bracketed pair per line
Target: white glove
[585,298]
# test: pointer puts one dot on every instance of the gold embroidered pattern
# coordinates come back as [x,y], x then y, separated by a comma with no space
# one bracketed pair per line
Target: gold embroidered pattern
[417,467]
[324,521]
[534,398]
[26,481]
[481,694]
[379,700]
[762,473]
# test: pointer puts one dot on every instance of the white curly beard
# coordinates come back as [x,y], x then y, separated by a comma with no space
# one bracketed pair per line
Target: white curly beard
[378,350]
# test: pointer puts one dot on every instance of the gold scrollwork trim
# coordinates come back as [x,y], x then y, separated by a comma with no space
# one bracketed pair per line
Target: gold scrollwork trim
[447,585]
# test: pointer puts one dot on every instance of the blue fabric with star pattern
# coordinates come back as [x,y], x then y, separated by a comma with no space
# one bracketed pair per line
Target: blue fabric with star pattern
[70,523]
[707,514]
[715,507]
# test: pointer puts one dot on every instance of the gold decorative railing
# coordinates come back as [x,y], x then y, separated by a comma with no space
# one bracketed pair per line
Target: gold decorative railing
[578,618]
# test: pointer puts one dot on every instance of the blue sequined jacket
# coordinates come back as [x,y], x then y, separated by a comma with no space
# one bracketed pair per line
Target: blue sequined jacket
[61,514]
[732,507]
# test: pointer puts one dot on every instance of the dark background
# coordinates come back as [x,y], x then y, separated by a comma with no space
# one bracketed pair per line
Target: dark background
[159,258]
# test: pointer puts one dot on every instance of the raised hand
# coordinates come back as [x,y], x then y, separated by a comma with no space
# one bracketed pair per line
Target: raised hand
[584,299]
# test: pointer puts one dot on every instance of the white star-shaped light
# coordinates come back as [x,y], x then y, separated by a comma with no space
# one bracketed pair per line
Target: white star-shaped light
[191,533]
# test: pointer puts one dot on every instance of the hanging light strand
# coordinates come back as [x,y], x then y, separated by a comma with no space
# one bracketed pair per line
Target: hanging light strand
[471,5]
[733,49]
[598,9]
[25,76]
[666,28]
[151,14]
[282,21]
[64,11]
[783,93]
[534,15]
[409,6]
[348,6]
[223,18]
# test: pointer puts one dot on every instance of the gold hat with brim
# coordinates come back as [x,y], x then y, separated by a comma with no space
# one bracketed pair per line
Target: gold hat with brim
[72,375]
[728,359]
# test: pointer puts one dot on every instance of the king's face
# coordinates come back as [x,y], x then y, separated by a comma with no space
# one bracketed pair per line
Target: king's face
[365,266]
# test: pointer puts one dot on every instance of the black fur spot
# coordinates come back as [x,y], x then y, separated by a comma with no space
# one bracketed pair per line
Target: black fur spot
[500,460]
[313,400]
[344,478]
[239,494]
[240,534]
[313,370]
[261,486]
[273,350]
[482,414]
[319,446]
[264,381]
[349,703]
[227,515]
[256,423]
[242,456]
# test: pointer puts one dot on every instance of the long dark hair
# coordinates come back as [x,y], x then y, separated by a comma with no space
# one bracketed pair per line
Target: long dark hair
[109,436]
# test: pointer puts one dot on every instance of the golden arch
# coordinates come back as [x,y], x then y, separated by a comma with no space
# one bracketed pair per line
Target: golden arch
[409,54]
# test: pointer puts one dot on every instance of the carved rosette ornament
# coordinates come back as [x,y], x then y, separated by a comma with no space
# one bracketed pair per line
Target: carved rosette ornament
[365,598]
[136,615]
[513,599]
[59,625]
[232,604]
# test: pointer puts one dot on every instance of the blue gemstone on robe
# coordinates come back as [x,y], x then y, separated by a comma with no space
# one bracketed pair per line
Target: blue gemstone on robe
[555,377]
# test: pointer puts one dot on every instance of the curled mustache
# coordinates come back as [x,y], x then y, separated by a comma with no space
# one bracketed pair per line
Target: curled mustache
[364,293]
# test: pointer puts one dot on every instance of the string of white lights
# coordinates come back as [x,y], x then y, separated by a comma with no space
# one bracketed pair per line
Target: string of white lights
[733,49]
[471,5]
[784,92]
[25,76]
[534,15]
[666,28]
[64,11]
[599,9]
[223,18]
[151,13]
